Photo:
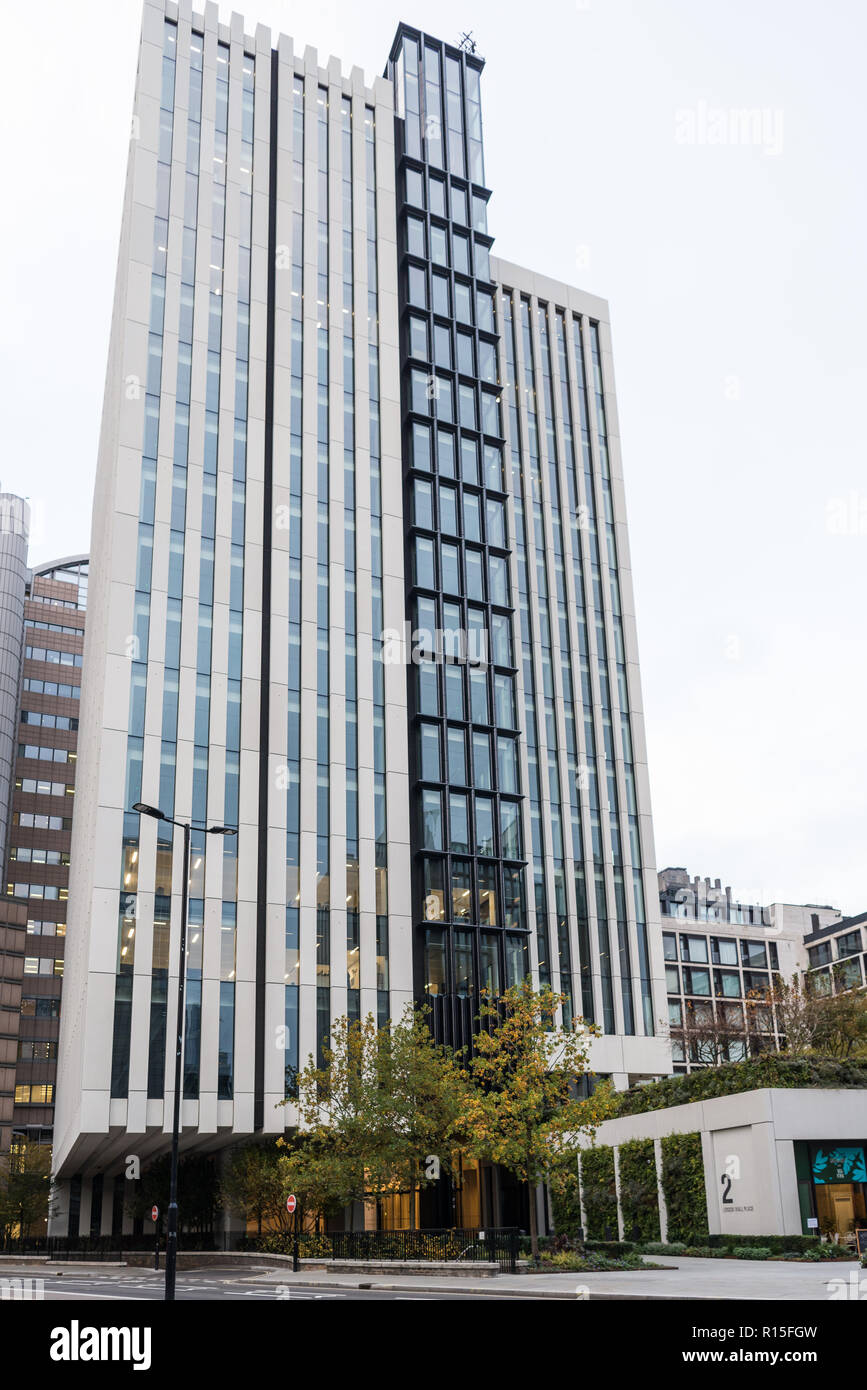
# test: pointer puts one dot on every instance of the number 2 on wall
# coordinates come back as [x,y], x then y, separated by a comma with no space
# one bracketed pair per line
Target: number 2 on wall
[727,1187]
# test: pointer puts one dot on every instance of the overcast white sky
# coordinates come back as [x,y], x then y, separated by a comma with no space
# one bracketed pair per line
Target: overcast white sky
[735,277]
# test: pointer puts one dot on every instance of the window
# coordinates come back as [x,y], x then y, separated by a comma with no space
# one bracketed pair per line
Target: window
[466,354]
[693,948]
[34,1095]
[819,955]
[415,188]
[489,961]
[463,303]
[461,894]
[472,516]
[495,517]
[449,511]
[451,568]
[727,984]
[487,876]
[437,197]
[455,692]
[669,945]
[475,580]
[848,945]
[485,826]
[416,289]
[446,453]
[441,296]
[431,818]
[507,760]
[723,951]
[696,981]
[753,954]
[435,962]
[513,896]
[457,754]
[421,457]
[442,346]
[499,579]
[517,962]
[428,688]
[493,467]
[675,1017]
[461,250]
[415,238]
[482,762]
[459,823]
[479,709]
[439,245]
[429,752]
[432,888]
[422,498]
[755,981]
[504,701]
[672,979]
[418,337]
[424,562]
[464,972]
[510,829]
[470,461]
[485,310]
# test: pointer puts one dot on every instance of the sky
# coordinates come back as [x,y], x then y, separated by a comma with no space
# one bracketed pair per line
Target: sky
[730,248]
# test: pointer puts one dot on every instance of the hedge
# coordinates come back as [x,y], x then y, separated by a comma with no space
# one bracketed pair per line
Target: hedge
[599,1192]
[566,1209]
[639,1195]
[777,1069]
[683,1188]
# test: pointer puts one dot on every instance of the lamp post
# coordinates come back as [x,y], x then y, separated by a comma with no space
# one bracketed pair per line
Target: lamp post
[172,1221]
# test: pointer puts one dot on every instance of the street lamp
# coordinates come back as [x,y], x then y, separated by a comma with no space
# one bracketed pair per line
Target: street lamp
[172,1222]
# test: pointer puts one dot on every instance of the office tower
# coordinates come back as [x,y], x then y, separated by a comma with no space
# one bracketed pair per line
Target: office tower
[331,413]
[40,831]
[42,632]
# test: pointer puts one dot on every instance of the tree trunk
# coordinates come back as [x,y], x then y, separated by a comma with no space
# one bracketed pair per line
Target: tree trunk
[412,1206]
[534,1227]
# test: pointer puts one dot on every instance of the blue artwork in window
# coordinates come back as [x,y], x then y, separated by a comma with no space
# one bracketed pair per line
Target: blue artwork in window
[839,1165]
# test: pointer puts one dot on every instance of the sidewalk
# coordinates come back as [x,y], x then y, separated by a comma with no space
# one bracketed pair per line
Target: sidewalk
[680,1279]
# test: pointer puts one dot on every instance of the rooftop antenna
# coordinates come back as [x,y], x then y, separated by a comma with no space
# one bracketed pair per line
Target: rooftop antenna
[467,42]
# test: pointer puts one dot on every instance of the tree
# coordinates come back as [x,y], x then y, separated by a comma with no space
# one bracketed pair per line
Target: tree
[831,1024]
[384,1099]
[314,1166]
[421,1091]
[25,1189]
[253,1185]
[198,1193]
[841,1029]
[521,1106]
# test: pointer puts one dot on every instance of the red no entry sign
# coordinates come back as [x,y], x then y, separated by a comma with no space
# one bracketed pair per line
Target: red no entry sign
[291,1203]
[155,1211]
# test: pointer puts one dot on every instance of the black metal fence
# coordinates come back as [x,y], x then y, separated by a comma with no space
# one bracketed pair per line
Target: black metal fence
[99,1247]
[496,1245]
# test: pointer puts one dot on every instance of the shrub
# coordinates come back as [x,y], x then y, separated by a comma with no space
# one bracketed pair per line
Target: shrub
[778,1069]
[598,1190]
[752,1252]
[775,1242]
[683,1188]
[639,1194]
[614,1248]
[661,1247]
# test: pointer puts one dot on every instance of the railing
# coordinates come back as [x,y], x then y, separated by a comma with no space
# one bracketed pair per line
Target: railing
[104,1248]
[495,1245]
